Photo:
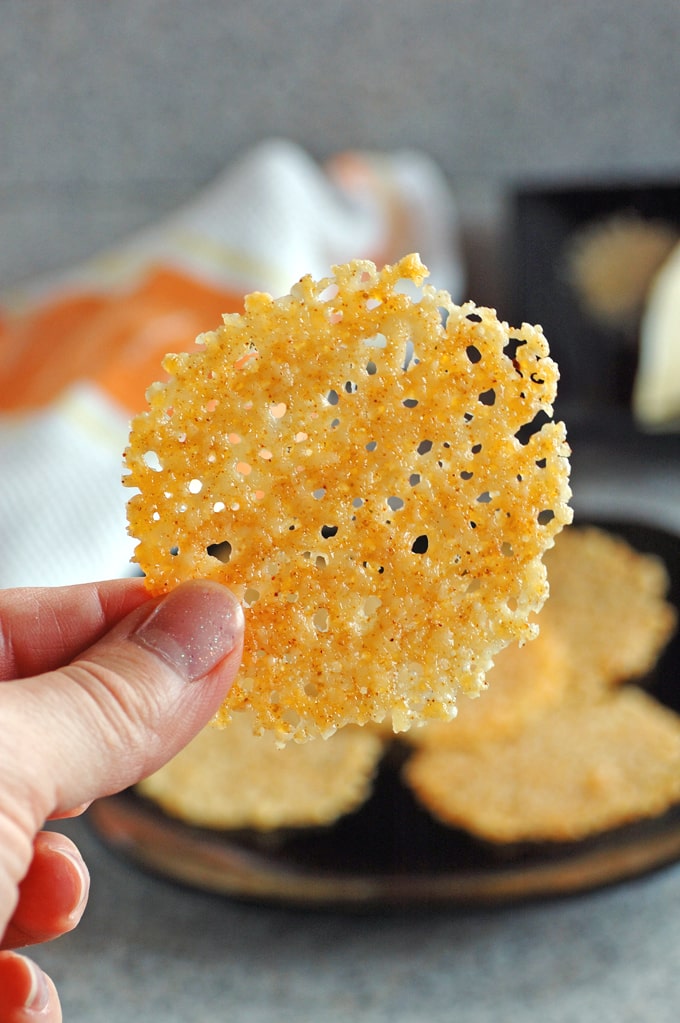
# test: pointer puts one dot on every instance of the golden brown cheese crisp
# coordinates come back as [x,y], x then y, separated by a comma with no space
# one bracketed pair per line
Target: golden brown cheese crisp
[611,264]
[524,683]
[577,771]
[346,458]
[609,603]
[229,778]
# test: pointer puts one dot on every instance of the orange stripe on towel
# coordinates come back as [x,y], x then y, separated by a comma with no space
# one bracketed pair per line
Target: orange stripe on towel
[115,340]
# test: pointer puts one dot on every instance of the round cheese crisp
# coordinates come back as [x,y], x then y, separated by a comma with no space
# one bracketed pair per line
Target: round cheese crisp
[583,768]
[353,461]
[524,683]
[609,602]
[228,778]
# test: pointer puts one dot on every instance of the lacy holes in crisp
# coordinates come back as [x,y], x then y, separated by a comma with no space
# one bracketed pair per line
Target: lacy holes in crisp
[220,551]
[320,620]
[511,349]
[152,461]
[329,293]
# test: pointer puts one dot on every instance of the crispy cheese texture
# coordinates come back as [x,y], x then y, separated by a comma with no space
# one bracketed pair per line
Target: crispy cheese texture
[581,769]
[228,778]
[352,460]
[564,746]
[524,683]
[609,602]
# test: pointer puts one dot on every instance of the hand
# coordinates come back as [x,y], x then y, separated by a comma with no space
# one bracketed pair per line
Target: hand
[141,678]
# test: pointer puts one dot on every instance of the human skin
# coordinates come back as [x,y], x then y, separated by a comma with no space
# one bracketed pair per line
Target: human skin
[99,686]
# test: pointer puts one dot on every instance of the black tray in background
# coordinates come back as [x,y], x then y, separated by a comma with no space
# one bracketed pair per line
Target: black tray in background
[391,853]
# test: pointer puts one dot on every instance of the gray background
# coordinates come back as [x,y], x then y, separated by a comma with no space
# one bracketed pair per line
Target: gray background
[110,115]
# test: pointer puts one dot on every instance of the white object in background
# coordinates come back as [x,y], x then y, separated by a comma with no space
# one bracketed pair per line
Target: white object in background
[656,395]
[63,506]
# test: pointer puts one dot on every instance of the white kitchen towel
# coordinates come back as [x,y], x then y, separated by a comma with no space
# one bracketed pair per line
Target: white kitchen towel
[78,349]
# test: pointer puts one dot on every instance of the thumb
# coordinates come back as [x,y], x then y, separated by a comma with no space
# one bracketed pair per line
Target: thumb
[128,703]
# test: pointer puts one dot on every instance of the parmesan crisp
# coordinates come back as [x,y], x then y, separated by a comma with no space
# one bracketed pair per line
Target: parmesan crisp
[353,461]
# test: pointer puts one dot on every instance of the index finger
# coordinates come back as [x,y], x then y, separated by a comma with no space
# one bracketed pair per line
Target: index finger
[43,628]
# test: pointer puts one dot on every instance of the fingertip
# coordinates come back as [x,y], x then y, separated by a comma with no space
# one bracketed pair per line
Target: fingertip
[27,994]
[53,894]
[71,872]
[75,811]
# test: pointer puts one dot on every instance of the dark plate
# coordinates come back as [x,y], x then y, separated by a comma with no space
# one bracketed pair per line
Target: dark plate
[597,363]
[390,853]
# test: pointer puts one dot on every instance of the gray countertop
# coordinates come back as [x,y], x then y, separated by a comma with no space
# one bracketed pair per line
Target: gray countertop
[148,949]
